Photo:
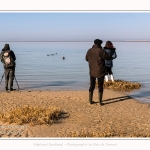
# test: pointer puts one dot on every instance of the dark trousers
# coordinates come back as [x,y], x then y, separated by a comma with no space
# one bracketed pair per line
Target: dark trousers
[109,70]
[93,82]
[9,77]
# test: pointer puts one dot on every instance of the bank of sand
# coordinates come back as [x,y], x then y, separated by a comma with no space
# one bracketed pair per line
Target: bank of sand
[120,116]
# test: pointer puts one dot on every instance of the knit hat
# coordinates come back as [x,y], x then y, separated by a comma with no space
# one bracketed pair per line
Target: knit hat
[98,41]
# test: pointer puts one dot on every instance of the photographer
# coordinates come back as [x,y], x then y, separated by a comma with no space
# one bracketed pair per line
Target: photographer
[8,58]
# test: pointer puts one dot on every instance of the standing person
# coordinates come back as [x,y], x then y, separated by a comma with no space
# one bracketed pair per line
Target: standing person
[95,57]
[110,49]
[8,58]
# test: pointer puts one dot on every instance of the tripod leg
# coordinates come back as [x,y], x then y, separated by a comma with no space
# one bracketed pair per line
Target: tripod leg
[2,78]
[17,83]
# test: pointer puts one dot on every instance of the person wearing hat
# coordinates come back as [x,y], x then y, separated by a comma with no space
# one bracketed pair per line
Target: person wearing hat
[110,49]
[8,59]
[96,57]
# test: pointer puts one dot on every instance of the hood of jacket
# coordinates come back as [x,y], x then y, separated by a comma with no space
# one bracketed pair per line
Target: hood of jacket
[6,47]
[96,46]
[113,48]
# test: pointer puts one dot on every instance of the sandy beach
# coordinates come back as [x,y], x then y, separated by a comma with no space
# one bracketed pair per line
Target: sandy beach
[121,116]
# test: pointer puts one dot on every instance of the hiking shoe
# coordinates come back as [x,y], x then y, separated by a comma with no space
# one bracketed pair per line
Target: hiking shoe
[6,89]
[12,89]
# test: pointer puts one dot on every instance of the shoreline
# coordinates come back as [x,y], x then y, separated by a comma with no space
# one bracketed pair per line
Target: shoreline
[121,115]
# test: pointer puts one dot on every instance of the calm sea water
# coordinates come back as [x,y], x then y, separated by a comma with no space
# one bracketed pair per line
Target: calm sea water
[36,70]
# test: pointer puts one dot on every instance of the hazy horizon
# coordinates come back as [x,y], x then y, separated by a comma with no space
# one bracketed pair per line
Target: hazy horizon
[79,41]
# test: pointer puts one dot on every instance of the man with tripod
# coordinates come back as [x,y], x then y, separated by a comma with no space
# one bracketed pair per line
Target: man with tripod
[8,58]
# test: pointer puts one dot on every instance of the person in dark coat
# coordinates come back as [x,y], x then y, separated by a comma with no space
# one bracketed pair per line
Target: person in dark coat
[110,49]
[9,70]
[96,57]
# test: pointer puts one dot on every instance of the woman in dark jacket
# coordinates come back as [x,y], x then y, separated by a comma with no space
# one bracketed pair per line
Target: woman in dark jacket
[110,49]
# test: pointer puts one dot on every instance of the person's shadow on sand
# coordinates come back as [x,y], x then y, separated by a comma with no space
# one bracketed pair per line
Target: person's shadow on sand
[116,99]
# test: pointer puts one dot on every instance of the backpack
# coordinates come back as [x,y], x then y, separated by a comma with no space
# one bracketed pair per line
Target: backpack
[6,59]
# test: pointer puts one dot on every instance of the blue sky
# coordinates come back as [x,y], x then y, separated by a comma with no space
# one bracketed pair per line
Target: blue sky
[74,26]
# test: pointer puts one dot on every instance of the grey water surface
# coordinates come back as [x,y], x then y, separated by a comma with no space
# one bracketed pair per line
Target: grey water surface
[40,66]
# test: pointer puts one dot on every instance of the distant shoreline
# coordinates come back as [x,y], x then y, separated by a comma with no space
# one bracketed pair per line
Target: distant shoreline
[81,41]
[137,41]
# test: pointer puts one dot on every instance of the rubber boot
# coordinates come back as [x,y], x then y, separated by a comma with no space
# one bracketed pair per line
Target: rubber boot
[91,97]
[112,78]
[106,78]
[100,99]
